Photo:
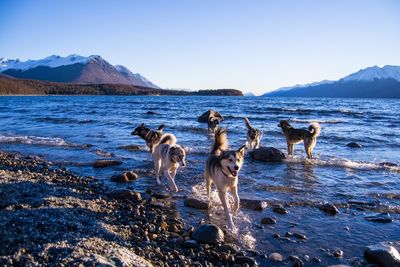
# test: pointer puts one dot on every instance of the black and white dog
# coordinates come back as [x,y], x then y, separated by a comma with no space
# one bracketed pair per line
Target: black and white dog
[253,136]
[222,169]
[151,137]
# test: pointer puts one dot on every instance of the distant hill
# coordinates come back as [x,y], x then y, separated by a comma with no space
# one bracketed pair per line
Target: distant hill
[73,69]
[12,86]
[372,82]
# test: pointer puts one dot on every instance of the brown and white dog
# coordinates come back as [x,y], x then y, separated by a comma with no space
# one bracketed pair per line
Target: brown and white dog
[222,169]
[213,122]
[167,159]
[253,136]
[295,136]
[151,137]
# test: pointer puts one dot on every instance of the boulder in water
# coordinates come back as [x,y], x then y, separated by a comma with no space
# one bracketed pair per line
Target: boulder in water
[382,254]
[354,145]
[208,233]
[125,177]
[267,154]
[253,204]
[196,203]
[210,113]
[102,163]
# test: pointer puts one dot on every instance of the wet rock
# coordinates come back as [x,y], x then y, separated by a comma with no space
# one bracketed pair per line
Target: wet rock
[160,195]
[204,117]
[297,262]
[380,218]
[275,256]
[280,209]
[388,164]
[196,203]
[130,147]
[124,177]
[252,252]
[150,112]
[299,236]
[208,233]
[354,145]
[267,154]
[242,260]
[191,244]
[316,260]
[339,265]
[228,248]
[253,204]
[125,194]
[338,253]
[102,163]
[329,208]
[268,220]
[277,236]
[382,254]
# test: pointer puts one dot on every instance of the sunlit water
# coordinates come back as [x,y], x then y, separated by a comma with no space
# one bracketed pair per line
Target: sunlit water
[75,131]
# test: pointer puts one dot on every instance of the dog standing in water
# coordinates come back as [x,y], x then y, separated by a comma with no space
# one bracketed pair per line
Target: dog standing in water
[168,156]
[151,137]
[222,169]
[295,136]
[253,136]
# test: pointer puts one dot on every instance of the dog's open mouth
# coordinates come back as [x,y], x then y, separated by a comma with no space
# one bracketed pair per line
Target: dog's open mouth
[233,172]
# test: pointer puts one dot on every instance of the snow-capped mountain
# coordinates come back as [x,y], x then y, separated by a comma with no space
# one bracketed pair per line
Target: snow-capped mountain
[304,85]
[375,73]
[372,82]
[72,69]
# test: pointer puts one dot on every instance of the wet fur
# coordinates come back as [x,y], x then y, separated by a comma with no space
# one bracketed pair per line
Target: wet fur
[295,136]
[222,169]
[253,136]
[167,159]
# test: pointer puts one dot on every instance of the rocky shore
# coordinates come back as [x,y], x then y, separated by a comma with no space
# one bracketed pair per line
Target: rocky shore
[50,216]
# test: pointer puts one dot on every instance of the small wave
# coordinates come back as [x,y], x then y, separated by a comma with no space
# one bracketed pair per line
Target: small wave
[63,120]
[348,164]
[317,120]
[36,140]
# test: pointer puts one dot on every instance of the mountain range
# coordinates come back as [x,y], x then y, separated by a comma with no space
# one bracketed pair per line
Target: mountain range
[73,69]
[371,82]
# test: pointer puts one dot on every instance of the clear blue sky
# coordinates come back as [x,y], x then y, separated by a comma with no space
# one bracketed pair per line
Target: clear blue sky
[253,45]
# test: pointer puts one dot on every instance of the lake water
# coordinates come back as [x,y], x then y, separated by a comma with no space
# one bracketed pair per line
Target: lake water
[73,131]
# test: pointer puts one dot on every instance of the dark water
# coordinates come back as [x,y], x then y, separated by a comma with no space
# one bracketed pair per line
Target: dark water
[61,127]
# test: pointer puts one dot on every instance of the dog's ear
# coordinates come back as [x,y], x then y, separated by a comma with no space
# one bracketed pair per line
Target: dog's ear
[141,125]
[241,150]
[161,127]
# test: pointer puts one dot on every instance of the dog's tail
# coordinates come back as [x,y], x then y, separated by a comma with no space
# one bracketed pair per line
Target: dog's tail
[220,142]
[168,138]
[247,122]
[315,129]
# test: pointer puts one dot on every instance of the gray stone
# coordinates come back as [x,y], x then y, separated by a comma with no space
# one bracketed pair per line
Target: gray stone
[242,260]
[125,194]
[102,163]
[191,244]
[196,203]
[329,208]
[354,145]
[297,262]
[130,147]
[208,233]
[338,253]
[382,254]
[228,248]
[267,154]
[275,256]
[253,204]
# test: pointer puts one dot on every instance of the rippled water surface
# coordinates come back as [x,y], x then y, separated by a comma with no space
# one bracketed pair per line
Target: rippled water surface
[75,131]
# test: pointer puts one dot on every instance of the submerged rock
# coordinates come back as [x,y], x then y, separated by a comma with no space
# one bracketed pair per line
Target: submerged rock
[338,253]
[354,145]
[130,147]
[228,248]
[280,209]
[196,203]
[268,220]
[267,154]
[102,163]
[125,177]
[204,117]
[296,261]
[329,208]
[208,233]
[253,204]
[150,112]
[380,218]
[382,254]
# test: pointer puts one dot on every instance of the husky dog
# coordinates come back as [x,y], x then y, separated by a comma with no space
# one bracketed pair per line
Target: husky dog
[167,158]
[295,136]
[253,136]
[213,123]
[222,169]
[151,137]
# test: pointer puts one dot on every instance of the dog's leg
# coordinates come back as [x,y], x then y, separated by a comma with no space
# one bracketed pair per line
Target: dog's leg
[157,166]
[171,179]
[288,148]
[222,197]
[208,186]
[307,148]
[235,194]
[291,149]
